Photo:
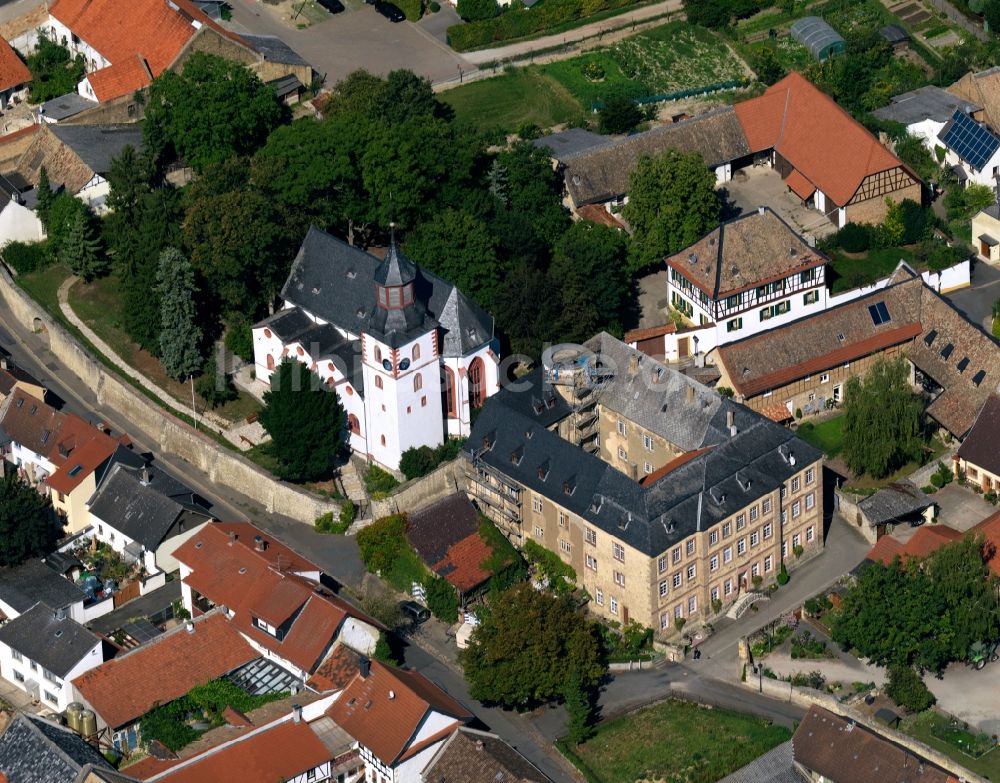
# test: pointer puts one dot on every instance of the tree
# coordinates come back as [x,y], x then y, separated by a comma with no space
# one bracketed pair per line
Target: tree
[54,71]
[45,197]
[79,249]
[305,421]
[882,429]
[527,648]
[672,203]
[907,689]
[397,98]
[707,13]
[212,111]
[589,272]
[477,10]
[180,336]
[619,114]
[579,709]
[532,190]
[991,15]
[765,62]
[442,599]
[28,525]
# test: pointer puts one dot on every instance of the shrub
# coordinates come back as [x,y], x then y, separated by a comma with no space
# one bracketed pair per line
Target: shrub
[326,523]
[592,71]
[239,339]
[783,575]
[381,541]
[560,575]
[679,623]
[379,482]
[435,6]
[798,413]
[716,605]
[990,497]
[26,257]
[855,237]
[916,221]
[725,391]
[421,460]
[928,489]
[383,650]
[797,550]
[477,10]
[907,689]
[213,387]
[619,115]
[442,599]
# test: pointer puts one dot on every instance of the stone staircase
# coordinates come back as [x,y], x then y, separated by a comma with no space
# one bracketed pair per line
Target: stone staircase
[744,602]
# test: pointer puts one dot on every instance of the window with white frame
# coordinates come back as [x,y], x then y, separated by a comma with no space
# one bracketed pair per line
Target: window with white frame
[663,587]
[713,538]
[563,518]
[622,429]
[539,532]
[784,516]
[647,468]
[675,556]
[795,484]
[754,570]
[536,504]
[810,501]
[17,656]
[810,533]
[714,593]
[768,531]
[755,538]
[591,562]
[613,605]
[727,554]
[766,506]
[713,563]
[796,540]
[824,378]
[50,697]
[741,546]
[18,676]
[661,563]
[565,546]
[678,611]
[741,521]
[692,605]
[768,564]
[664,620]
[618,551]
[753,513]
[689,547]
[599,596]
[692,572]
[784,549]
[784,492]
[622,454]
[591,535]
[619,578]
[647,442]
[796,509]
[727,588]
[677,580]
[727,530]
[810,475]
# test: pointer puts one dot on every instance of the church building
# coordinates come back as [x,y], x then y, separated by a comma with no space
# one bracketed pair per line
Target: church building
[409,355]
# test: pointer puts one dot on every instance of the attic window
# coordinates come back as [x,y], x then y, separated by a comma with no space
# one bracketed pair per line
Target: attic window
[624,520]
[315,290]
[198,544]
[840,337]
[75,470]
[543,470]
[946,351]
[537,406]
[352,701]
[33,411]
[963,364]
[517,455]
[598,501]
[351,274]
[243,570]
[59,633]
[929,337]
[979,377]
[20,402]
[569,485]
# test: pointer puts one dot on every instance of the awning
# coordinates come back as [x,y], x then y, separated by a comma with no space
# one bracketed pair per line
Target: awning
[988,240]
[800,186]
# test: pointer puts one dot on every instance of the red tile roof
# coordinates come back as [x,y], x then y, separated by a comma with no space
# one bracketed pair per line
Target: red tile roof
[339,668]
[385,710]
[808,129]
[776,412]
[800,186]
[596,213]
[676,462]
[462,564]
[636,335]
[127,687]
[925,541]
[13,71]
[79,450]
[133,37]
[279,751]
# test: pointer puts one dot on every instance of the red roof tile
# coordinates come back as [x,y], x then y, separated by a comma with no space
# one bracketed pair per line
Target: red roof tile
[776,412]
[800,186]
[384,710]
[596,213]
[127,687]
[636,335]
[807,128]
[13,71]
[133,36]
[339,668]
[462,564]
[78,451]
[280,751]
[925,541]
[676,462]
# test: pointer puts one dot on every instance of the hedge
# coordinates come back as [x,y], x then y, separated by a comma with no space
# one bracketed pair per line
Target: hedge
[413,9]
[26,257]
[520,22]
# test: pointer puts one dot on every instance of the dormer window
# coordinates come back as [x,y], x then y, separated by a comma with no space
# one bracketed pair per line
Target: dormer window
[543,471]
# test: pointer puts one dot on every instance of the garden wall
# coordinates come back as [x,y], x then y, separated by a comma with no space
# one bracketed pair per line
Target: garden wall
[172,435]
[444,480]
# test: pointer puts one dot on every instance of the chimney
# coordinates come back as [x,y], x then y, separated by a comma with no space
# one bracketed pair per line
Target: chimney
[296,713]
[59,614]
[479,744]
[633,365]
[144,476]
[232,537]
[189,626]
[364,666]
[730,418]
[760,210]
[690,393]
[259,544]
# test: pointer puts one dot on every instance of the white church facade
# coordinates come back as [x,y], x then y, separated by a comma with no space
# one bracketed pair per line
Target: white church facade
[409,355]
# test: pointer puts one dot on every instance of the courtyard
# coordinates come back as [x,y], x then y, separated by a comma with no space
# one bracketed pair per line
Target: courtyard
[762,186]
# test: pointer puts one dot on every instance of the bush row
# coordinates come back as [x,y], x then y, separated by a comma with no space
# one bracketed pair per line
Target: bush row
[519,22]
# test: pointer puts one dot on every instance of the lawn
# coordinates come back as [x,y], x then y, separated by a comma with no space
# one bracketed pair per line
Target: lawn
[521,96]
[928,726]
[673,740]
[855,270]
[43,287]
[827,436]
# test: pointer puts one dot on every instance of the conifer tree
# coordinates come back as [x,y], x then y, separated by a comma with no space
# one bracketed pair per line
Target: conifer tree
[180,335]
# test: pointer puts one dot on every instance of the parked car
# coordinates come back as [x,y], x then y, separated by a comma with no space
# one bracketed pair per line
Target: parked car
[414,612]
[389,11]
[333,6]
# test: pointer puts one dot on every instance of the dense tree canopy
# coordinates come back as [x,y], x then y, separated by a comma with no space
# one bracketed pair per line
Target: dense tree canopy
[54,71]
[529,647]
[305,421]
[923,613]
[28,525]
[672,203]
[619,114]
[211,111]
[180,335]
[882,414]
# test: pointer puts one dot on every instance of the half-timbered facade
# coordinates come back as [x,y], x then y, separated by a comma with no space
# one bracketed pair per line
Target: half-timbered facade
[825,157]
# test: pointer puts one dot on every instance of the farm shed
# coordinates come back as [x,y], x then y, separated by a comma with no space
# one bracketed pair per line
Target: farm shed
[818,37]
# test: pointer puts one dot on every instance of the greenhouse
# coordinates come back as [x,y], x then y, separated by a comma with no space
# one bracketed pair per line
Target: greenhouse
[818,37]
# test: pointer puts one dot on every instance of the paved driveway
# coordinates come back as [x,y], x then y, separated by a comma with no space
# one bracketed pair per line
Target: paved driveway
[976,301]
[357,38]
[762,186]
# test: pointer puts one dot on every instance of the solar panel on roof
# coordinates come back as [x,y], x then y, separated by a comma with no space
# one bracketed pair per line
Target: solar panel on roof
[972,142]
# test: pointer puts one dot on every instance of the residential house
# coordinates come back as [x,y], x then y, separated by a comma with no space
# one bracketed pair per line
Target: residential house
[986,233]
[399,720]
[145,515]
[275,598]
[409,355]
[33,581]
[124,47]
[43,650]
[804,365]
[972,150]
[600,174]
[981,90]
[18,221]
[750,274]
[825,156]
[473,756]
[77,158]
[668,500]
[36,750]
[977,457]
[925,112]
[13,376]
[14,76]
[835,749]
[122,690]
[446,536]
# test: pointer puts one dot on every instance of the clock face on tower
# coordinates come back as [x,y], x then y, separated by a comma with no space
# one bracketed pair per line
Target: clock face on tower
[387,365]
[404,365]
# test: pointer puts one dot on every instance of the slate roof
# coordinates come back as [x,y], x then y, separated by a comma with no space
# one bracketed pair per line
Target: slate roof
[446,537]
[745,252]
[67,105]
[334,281]
[980,445]
[654,517]
[53,640]
[34,750]
[894,34]
[126,687]
[24,585]
[925,103]
[72,154]
[571,141]
[846,752]
[138,511]
[274,50]
[13,71]
[98,145]
[899,500]
[817,137]
[775,766]
[472,756]
[384,710]
[602,173]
